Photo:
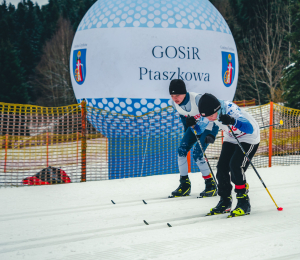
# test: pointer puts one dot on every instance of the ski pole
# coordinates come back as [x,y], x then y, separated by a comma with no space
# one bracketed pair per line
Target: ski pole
[278,208]
[280,123]
[195,133]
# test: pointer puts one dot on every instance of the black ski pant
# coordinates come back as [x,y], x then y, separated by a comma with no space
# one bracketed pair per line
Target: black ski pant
[233,160]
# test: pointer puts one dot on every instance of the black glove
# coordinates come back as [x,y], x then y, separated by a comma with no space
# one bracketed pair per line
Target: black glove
[209,139]
[227,120]
[190,121]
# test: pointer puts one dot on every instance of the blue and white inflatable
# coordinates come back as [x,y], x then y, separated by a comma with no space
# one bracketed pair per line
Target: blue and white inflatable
[125,53]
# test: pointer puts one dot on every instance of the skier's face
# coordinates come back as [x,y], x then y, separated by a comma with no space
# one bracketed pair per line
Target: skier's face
[213,117]
[178,98]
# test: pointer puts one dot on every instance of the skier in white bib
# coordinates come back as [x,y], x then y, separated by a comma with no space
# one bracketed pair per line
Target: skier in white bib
[186,104]
[232,159]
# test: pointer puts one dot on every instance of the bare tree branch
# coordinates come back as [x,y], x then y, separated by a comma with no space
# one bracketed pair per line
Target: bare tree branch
[263,47]
[53,77]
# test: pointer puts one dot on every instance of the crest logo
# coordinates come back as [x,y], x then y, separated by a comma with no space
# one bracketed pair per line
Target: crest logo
[228,68]
[79,65]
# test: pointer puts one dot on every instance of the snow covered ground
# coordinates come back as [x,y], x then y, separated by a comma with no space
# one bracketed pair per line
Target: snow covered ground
[78,221]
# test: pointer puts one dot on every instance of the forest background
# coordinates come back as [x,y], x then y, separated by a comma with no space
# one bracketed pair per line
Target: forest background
[35,45]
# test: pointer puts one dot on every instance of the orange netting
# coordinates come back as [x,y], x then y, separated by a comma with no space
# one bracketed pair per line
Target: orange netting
[69,139]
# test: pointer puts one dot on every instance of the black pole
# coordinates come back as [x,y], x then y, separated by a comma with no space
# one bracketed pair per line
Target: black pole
[270,125]
[278,208]
[195,133]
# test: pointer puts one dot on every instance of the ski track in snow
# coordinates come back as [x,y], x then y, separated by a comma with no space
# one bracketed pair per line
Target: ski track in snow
[79,221]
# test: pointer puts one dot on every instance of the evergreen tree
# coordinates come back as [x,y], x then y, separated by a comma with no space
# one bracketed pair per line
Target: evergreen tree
[25,31]
[13,84]
[291,76]
[51,13]
[69,11]
[74,10]
[28,40]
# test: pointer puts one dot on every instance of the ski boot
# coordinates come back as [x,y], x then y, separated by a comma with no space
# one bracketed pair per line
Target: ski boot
[224,206]
[210,189]
[184,188]
[243,206]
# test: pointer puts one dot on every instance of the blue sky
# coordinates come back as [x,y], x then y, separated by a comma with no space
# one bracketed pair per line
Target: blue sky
[15,2]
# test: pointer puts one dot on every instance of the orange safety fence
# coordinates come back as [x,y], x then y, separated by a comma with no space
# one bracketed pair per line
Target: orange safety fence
[33,138]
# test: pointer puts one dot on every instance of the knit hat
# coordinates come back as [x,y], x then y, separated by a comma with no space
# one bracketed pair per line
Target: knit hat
[177,87]
[208,105]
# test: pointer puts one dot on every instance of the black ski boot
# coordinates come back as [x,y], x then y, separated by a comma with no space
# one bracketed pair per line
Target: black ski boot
[210,189]
[184,189]
[224,206]
[243,206]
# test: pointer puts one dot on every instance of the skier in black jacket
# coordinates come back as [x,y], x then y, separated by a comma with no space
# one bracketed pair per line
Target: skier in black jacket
[232,158]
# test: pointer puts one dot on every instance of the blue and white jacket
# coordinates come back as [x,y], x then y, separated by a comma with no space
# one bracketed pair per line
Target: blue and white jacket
[189,107]
[246,129]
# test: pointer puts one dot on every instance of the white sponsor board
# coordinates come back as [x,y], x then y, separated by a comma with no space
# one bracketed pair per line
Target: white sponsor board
[131,50]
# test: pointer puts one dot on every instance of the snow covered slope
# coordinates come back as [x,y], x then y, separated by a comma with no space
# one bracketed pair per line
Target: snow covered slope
[79,222]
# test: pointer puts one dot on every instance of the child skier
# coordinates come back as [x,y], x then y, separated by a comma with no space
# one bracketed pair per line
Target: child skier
[232,159]
[186,103]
